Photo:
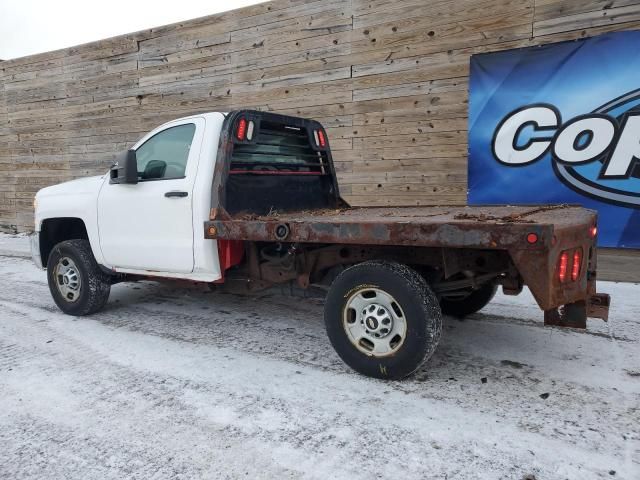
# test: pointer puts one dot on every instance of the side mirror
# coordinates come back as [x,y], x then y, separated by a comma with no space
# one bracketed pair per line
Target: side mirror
[125,170]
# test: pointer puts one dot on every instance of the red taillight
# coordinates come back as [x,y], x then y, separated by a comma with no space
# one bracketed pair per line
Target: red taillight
[593,231]
[577,262]
[322,142]
[241,131]
[562,266]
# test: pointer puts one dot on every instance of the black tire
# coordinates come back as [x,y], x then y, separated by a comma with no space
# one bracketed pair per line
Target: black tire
[472,303]
[95,285]
[418,306]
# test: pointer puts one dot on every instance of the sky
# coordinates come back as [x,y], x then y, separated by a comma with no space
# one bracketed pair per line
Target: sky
[34,26]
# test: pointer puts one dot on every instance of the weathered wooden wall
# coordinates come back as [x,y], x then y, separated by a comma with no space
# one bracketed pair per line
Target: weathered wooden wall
[389,79]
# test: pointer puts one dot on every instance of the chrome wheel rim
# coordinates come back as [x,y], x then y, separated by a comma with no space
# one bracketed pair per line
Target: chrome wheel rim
[67,278]
[374,322]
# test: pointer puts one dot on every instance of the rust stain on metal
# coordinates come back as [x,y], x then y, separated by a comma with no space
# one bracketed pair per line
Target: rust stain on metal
[219,213]
[598,306]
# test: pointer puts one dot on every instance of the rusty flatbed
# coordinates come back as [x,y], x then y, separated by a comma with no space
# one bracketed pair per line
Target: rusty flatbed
[491,227]
[507,228]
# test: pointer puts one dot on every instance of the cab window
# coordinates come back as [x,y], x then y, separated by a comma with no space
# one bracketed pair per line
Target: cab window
[164,156]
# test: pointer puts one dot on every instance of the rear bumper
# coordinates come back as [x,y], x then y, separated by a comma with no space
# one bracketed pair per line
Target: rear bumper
[34,242]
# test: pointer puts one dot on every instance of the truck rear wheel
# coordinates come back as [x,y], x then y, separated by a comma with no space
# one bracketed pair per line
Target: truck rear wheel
[382,319]
[77,284]
[475,301]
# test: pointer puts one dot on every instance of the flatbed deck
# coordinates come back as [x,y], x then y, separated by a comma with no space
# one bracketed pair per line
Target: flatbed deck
[455,226]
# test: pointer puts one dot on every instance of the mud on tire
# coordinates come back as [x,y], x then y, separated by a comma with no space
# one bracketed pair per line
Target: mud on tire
[382,319]
[74,259]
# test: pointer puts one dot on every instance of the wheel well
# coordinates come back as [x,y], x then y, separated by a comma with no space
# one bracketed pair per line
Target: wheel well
[56,230]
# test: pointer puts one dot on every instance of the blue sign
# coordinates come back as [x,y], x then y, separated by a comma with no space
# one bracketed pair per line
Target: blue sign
[560,123]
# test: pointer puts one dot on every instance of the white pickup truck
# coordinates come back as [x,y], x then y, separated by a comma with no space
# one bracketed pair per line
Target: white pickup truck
[249,200]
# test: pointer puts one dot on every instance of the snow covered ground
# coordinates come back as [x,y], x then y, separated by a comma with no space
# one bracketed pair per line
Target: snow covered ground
[14,245]
[175,382]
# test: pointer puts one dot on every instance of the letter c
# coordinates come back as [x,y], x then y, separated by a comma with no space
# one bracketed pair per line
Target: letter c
[505,140]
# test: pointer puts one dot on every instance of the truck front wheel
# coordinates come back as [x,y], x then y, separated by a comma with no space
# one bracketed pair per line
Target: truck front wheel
[382,319]
[77,284]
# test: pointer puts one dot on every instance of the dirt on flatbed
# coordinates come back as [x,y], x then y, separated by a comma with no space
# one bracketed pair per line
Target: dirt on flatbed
[547,214]
[500,227]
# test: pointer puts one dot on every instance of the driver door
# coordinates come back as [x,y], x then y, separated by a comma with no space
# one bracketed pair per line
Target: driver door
[149,226]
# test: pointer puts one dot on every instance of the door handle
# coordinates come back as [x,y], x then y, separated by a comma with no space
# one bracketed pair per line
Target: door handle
[176,194]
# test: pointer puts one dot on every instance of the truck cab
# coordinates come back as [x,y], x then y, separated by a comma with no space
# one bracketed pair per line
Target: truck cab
[131,227]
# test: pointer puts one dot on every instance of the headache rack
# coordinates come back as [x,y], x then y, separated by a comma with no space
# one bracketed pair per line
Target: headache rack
[269,162]
[278,149]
